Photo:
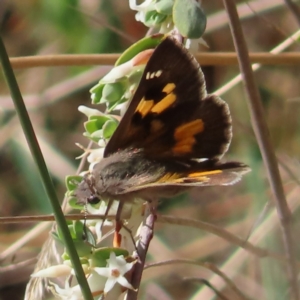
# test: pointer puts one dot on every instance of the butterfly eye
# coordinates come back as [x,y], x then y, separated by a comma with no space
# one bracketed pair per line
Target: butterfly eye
[93,199]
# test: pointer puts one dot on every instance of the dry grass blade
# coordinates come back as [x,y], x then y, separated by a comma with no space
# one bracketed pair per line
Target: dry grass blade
[262,135]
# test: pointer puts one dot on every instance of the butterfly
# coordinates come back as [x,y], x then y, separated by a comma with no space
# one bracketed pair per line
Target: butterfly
[171,138]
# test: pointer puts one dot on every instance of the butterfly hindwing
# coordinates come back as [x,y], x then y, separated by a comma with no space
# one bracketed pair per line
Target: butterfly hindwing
[217,174]
[129,170]
[170,114]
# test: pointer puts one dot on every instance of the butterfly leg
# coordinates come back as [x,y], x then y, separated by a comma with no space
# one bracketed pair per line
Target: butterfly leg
[119,225]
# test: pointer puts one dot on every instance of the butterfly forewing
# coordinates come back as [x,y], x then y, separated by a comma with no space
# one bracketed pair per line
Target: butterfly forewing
[170,114]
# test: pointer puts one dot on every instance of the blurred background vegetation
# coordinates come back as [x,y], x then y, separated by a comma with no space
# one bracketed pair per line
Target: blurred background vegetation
[53,94]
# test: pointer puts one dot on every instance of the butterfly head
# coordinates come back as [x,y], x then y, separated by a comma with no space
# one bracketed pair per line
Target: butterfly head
[86,192]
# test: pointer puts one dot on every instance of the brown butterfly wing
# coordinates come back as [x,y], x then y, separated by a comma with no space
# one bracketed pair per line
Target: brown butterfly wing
[132,175]
[170,114]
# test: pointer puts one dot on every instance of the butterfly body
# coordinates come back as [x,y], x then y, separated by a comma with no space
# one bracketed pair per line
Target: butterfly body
[170,139]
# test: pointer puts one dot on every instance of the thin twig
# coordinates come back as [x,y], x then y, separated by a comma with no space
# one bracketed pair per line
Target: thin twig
[204,58]
[46,218]
[218,231]
[262,135]
[146,235]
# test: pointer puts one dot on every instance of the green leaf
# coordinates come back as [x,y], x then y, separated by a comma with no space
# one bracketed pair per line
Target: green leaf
[81,232]
[154,18]
[95,123]
[89,238]
[96,92]
[113,92]
[78,229]
[109,128]
[99,127]
[164,6]
[72,182]
[189,18]
[73,203]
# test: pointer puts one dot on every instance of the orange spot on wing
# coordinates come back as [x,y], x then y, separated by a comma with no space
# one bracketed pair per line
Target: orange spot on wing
[184,136]
[200,174]
[169,177]
[184,146]
[164,103]
[144,107]
[189,129]
[169,88]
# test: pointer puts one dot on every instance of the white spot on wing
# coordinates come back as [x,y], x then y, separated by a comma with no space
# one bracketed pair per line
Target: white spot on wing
[158,73]
[154,74]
